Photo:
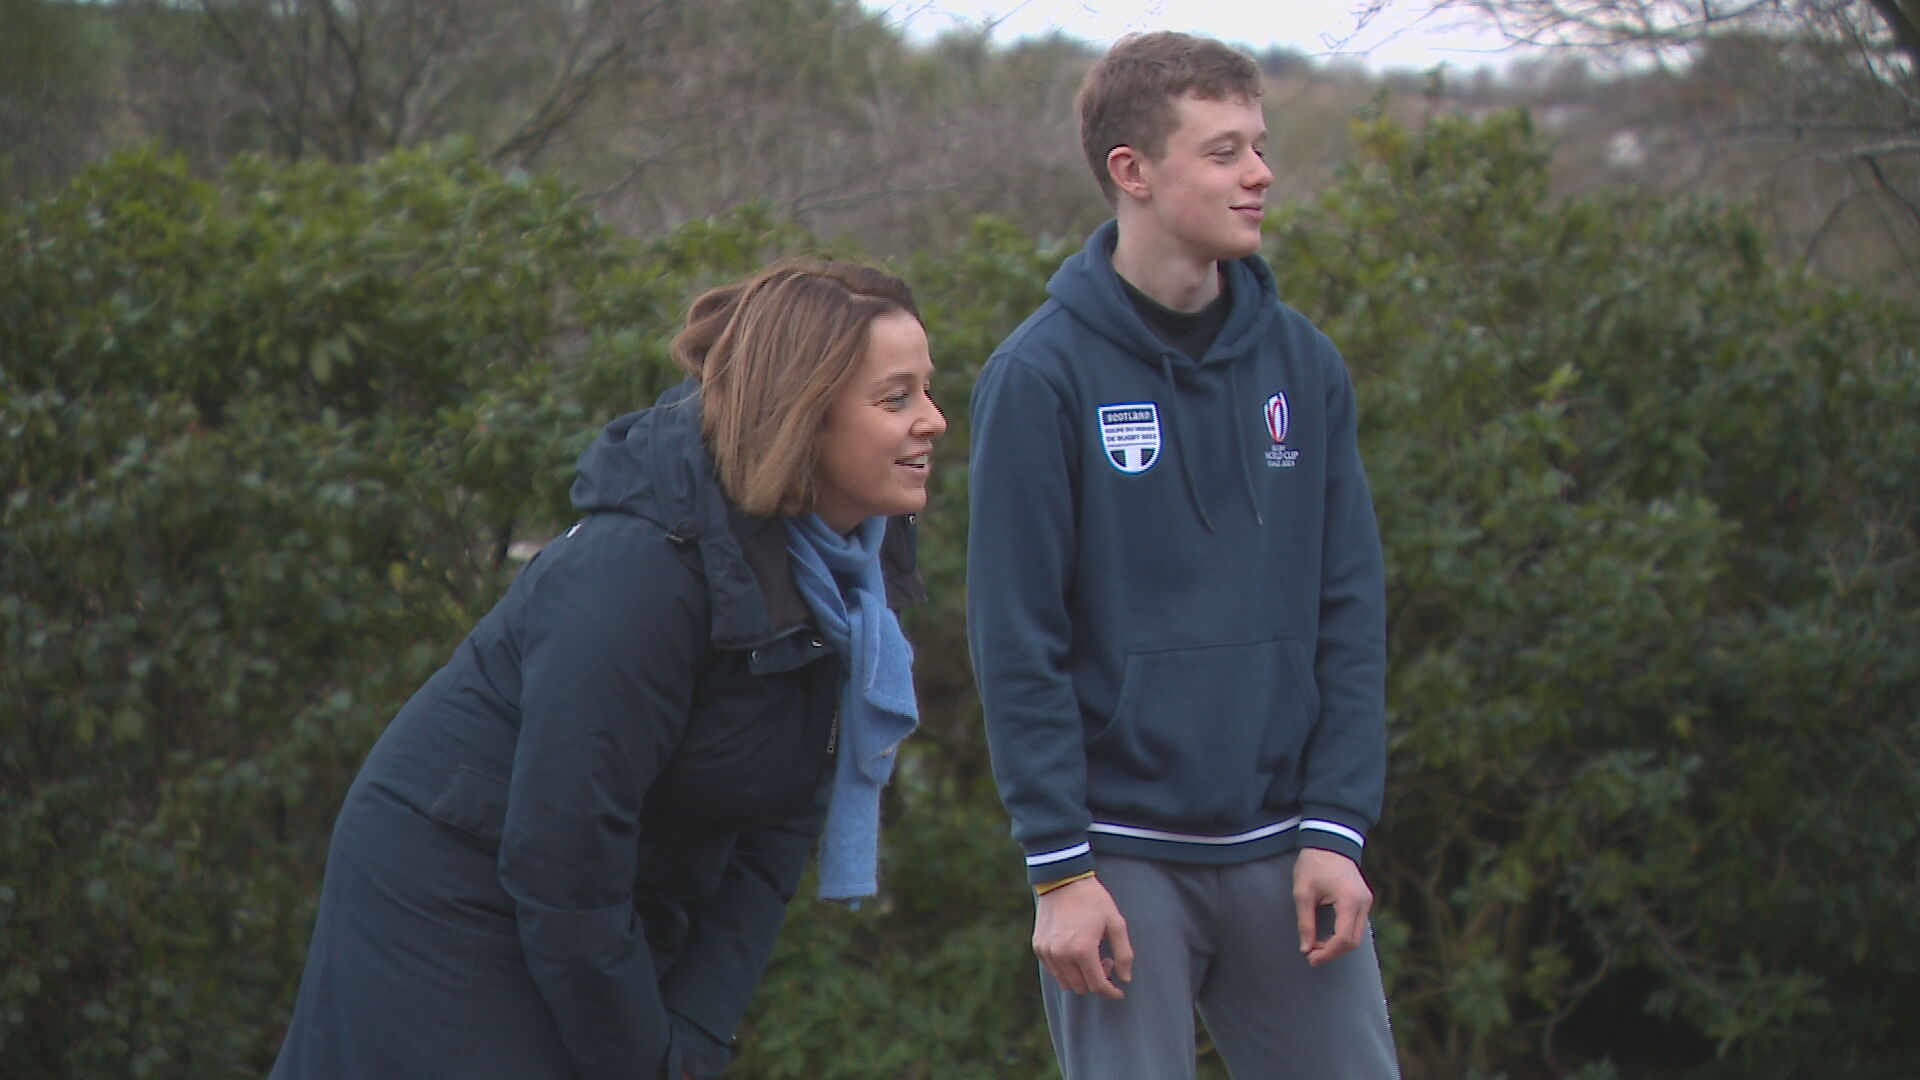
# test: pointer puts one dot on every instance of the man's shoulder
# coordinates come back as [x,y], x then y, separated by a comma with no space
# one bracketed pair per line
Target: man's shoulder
[1043,337]
[1040,350]
[1289,320]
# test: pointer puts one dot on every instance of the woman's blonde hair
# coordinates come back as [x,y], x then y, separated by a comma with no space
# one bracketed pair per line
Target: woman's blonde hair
[771,353]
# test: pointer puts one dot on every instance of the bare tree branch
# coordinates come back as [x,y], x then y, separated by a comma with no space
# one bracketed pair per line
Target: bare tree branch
[1825,86]
[573,87]
[1903,20]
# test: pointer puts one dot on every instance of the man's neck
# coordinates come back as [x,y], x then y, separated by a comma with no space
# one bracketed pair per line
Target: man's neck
[1169,279]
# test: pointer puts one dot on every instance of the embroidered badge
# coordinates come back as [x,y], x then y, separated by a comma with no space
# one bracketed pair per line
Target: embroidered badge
[1131,435]
[1278,455]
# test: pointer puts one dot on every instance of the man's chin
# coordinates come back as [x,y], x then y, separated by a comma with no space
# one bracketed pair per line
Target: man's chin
[1240,251]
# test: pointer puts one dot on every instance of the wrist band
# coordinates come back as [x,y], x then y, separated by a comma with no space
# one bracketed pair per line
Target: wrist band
[1047,887]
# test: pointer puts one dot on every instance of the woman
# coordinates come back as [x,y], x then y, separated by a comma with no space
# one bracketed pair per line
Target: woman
[570,853]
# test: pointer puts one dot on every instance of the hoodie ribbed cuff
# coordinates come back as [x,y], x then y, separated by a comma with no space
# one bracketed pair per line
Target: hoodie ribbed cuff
[1331,829]
[1060,858]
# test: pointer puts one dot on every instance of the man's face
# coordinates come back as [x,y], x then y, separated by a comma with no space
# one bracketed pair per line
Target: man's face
[1208,189]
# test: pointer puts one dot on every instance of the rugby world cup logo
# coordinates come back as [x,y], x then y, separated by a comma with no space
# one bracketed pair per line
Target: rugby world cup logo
[1279,456]
[1277,417]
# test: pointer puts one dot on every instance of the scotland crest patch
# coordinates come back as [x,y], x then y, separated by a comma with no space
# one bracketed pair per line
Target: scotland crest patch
[1130,434]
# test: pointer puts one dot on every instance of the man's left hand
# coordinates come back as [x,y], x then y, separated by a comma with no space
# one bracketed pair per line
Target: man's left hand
[1324,878]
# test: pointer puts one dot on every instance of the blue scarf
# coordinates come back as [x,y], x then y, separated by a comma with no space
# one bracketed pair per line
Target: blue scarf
[839,577]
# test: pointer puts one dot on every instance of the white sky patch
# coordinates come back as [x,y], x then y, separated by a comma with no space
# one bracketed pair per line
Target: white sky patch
[1382,34]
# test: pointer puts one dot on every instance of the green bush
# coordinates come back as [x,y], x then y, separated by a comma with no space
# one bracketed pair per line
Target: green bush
[1648,503]
[267,444]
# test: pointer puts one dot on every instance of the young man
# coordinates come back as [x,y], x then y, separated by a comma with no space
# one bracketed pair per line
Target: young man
[1176,612]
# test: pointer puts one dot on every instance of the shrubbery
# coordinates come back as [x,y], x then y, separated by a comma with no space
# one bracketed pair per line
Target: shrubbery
[266,444]
[1649,506]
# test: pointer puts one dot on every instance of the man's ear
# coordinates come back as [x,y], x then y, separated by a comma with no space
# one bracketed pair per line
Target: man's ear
[1128,171]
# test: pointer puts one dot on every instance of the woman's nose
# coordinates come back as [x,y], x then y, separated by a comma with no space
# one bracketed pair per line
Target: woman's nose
[931,422]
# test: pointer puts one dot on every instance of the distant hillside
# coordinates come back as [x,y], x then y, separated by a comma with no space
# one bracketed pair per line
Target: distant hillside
[666,112]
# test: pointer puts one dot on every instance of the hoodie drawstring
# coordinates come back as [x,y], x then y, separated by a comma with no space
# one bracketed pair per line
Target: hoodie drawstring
[1239,453]
[1179,451]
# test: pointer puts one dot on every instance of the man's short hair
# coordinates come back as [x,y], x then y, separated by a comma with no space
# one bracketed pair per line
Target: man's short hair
[771,353]
[1127,98]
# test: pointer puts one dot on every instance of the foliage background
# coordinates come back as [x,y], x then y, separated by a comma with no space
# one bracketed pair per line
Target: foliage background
[273,430]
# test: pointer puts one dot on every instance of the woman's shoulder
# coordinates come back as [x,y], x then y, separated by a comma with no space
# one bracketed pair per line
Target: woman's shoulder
[614,559]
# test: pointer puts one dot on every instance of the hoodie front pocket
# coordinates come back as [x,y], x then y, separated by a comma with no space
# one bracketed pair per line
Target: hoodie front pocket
[1200,734]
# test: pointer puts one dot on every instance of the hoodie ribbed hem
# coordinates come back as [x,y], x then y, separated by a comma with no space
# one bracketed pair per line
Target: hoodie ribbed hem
[1329,831]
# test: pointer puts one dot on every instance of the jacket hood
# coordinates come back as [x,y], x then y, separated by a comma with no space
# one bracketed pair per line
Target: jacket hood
[1087,286]
[653,464]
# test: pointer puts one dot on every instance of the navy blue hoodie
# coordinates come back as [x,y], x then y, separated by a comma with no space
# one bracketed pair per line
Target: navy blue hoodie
[1175,591]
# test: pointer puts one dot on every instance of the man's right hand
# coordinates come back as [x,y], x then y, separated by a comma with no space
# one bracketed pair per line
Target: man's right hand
[1069,925]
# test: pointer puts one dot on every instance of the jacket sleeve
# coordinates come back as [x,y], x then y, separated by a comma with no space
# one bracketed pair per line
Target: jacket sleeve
[1020,564]
[710,985]
[1346,752]
[610,639]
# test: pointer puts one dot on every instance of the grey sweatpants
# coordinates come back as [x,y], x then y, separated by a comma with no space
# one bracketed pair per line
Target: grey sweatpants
[1222,938]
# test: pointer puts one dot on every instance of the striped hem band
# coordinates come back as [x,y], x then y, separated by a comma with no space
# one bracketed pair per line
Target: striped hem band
[1138,833]
[1046,857]
[1336,829]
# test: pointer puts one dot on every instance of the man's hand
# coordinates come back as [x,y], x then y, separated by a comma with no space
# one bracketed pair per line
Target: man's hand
[1328,879]
[1069,925]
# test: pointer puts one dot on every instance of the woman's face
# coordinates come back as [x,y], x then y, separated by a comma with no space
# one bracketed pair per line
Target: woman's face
[880,429]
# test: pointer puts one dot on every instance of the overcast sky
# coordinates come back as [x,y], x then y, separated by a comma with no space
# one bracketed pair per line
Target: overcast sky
[1404,35]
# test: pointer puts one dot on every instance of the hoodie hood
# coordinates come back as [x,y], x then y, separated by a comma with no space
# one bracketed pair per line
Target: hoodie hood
[1089,288]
